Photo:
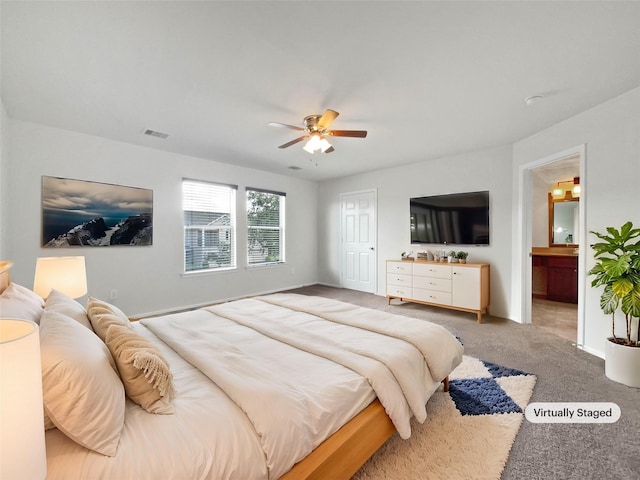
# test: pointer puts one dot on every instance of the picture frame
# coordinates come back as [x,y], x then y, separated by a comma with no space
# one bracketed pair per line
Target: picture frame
[82,213]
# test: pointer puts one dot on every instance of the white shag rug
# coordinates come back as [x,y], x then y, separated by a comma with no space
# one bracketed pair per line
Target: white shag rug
[468,433]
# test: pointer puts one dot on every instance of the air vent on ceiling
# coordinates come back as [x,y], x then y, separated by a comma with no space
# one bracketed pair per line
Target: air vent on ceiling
[153,133]
[293,167]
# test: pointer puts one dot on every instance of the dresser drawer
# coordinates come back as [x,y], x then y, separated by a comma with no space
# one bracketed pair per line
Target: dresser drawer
[432,296]
[400,267]
[432,283]
[432,270]
[399,279]
[399,291]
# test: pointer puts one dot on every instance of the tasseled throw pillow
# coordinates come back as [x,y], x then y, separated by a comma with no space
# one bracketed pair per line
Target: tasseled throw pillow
[102,315]
[146,375]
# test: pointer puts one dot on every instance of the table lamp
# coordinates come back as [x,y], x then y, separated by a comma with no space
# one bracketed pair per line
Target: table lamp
[67,275]
[22,446]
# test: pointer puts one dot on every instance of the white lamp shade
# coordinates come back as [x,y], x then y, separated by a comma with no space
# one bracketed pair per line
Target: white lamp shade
[67,275]
[22,447]
[316,143]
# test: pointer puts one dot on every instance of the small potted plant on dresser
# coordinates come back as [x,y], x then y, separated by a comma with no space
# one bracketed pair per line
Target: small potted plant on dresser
[451,257]
[617,269]
[462,256]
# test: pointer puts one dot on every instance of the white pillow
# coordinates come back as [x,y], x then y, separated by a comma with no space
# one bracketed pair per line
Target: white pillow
[19,302]
[61,303]
[102,315]
[82,392]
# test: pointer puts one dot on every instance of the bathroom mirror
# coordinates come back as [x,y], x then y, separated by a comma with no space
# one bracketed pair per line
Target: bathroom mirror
[563,221]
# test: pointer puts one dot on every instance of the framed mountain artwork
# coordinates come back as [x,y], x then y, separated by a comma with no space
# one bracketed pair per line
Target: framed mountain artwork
[80,213]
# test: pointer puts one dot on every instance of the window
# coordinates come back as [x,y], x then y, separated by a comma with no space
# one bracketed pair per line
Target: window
[209,225]
[265,227]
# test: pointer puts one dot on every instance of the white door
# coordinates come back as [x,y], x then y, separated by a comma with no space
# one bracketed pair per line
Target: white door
[358,250]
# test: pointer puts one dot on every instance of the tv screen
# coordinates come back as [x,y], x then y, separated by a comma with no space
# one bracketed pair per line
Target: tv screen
[454,219]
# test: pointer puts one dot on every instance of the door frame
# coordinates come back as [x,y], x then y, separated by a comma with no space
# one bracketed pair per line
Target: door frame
[523,244]
[375,237]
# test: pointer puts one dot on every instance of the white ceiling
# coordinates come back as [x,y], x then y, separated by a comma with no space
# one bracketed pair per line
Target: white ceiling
[426,79]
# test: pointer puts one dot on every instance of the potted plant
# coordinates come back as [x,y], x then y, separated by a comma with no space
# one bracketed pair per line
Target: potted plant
[617,269]
[451,256]
[462,256]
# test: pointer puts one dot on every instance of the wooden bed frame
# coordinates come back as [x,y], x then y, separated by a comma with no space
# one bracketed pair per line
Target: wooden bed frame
[343,453]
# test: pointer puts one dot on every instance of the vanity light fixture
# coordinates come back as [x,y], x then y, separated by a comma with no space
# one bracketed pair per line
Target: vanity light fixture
[560,191]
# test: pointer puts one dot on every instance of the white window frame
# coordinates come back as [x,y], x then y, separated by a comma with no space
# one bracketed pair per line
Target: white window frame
[208,199]
[251,254]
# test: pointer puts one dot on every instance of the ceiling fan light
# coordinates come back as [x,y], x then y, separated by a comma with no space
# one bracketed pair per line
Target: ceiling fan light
[308,148]
[314,144]
[324,145]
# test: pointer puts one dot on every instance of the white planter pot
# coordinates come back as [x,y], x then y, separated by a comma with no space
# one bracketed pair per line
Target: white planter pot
[622,364]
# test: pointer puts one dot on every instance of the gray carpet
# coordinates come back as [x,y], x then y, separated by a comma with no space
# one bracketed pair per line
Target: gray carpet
[565,374]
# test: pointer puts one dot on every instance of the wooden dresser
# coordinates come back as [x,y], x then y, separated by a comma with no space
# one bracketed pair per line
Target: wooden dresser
[458,286]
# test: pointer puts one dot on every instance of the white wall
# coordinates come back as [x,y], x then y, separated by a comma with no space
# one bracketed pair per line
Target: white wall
[4,191]
[148,279]
[611,133]
[489,169]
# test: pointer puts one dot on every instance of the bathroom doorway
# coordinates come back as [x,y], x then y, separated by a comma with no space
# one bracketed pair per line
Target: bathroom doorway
[555,200]
[530,234]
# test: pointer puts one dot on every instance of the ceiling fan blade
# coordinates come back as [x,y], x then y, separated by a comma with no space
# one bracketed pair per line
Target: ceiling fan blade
[293,142]
[347,133]
[327,117]
[278,124]
[330,149]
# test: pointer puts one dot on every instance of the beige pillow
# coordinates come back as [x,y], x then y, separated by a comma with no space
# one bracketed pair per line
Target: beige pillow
[59,302]
[17,301]
[82,392]
[103,314]
[146,375]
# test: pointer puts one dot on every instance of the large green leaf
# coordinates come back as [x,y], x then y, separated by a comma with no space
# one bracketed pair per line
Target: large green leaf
[627,232]
[622,286]
[631,302]
[609,300]
[617,267]
[597,269]
[604,248]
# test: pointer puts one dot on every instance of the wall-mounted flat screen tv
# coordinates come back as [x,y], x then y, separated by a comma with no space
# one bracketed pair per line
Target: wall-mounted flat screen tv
[453,219]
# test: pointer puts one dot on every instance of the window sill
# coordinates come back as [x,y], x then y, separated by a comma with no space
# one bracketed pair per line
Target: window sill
[265,265]
[197,273]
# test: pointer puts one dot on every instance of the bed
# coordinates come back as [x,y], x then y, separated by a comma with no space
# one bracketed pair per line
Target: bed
[276,386]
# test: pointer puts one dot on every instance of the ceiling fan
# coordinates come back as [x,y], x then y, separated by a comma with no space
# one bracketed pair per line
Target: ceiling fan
[316,129]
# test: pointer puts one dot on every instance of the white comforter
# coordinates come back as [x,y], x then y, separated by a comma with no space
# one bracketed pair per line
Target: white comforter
[403,360]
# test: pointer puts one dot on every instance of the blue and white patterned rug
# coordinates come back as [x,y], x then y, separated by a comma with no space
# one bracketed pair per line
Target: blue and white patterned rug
[469,430]
[476,388]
